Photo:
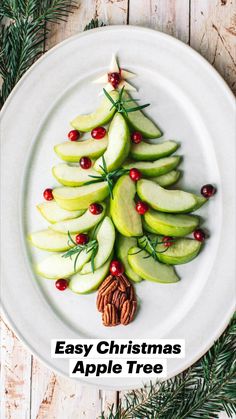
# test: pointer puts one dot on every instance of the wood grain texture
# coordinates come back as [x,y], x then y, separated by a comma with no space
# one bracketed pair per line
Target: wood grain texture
[28,388]
[168,16]
[213,34]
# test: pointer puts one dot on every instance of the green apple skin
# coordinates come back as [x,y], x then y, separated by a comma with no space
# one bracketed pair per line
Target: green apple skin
[200,201]
[118,145]
[168,179]
[56,266]
[147,228]
[165,200]
[150,269]
[80,197]
[85,223]
[101,116]
[145,151]
[183,250]
[72,151]
[69,175]
[84,284]
[123,244]
[139,122]
[155,168]
[50,241]
[177,225]
[122,207]
[106,239]
[53,213]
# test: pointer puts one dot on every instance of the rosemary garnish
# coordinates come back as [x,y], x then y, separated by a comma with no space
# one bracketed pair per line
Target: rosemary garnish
[91,246]
[109,177]
[119,104]
[150,244]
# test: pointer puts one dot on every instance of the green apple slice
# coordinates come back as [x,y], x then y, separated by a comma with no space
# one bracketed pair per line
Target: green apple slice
[171,224]
[72,151]
[79,225]
[53,213]
[49,240]
[69,175]
[165,200]
[139,122]
[168,179]
[200,200]
[147,228]
[101,116]
[118,145]
[83,284]
[150,152]
[155,168]
[182,251]
[80,197]
[123,245]
[57,266]
[106,238]
[122,206]
[150,269]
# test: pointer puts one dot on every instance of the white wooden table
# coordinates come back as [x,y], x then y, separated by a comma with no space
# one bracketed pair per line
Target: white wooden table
[28,388]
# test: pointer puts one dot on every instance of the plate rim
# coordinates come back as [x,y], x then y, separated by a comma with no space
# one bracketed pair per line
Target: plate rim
[230,95]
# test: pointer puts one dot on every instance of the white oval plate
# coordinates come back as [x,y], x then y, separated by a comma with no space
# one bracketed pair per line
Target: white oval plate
[192,104]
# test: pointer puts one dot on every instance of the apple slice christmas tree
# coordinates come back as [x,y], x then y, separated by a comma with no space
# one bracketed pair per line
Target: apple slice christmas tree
[113,218]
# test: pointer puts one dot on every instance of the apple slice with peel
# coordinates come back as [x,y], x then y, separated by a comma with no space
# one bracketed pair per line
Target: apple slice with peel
[150,269]
[165,200]
[106,239]
[72,151]
[167,179]
[53,213]
[123,244]
[101,116]
[122,207]
[80,197]
[118,145]
[49,240]
[70,175]
[155,168]
[83,284]
[181,251]
[79,225]
[145,151]
[171,224]
[147,228]
[139,122]
[57,266]
[200,201]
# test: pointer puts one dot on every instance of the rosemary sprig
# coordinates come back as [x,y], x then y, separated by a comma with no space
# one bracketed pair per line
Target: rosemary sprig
[150,245]
[109,177]
[119,104]
[91,246]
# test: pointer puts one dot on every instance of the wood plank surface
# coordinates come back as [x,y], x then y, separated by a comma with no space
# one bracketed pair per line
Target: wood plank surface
[28,388]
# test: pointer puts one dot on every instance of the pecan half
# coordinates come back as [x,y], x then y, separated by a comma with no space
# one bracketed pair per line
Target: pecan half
[127,312]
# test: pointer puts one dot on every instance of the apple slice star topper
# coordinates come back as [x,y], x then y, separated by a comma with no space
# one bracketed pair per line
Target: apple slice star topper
[116,78]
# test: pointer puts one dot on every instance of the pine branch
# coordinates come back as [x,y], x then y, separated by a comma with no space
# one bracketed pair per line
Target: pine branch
[204,391]
[22,39]
[94,23]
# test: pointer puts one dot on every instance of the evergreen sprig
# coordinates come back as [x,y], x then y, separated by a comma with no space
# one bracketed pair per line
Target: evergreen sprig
[94,23]
[202,392]
[22,38]
[120,103]
[76,249]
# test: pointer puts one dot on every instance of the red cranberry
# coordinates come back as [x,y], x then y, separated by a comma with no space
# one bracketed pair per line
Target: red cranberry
[48,194]
[116,268]
[167,241]
[142,207]
[114,79]
[61,284]
[98,133]
[85,163]
[136,137]
[73,135]
[95,208]
[135,174]
[199,235]
[208,190]
[81,238]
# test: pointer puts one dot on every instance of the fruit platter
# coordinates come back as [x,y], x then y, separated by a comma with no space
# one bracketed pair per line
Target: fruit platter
[117,217]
